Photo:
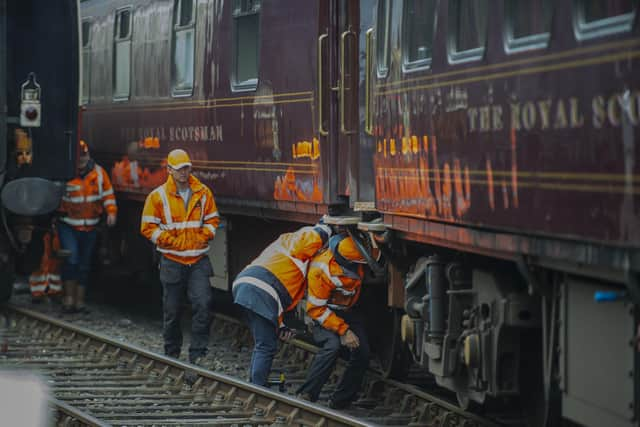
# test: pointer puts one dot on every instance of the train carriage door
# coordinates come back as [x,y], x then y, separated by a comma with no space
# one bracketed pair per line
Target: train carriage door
[338,82]
[364,150]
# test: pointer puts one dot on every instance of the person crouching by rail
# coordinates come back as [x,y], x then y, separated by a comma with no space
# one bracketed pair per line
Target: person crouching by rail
[271,285]
[335,279]
[180,217]
[86,198]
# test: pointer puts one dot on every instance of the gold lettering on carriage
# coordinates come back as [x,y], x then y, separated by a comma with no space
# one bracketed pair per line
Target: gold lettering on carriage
[196,134]
[612,110]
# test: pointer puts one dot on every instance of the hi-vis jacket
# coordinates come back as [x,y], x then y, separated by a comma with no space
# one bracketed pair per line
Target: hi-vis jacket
[180,234]
[275,281]
[46,279]
[334,284]
[86,198]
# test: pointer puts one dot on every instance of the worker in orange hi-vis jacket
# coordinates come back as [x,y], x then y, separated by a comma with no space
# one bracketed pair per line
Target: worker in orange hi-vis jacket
[271,285]
[335,279]
[180,217]
[46,279]
[86,198]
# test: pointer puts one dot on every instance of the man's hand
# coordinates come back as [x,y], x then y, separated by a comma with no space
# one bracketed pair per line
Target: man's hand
[285,334]
[111,220]
[350,340]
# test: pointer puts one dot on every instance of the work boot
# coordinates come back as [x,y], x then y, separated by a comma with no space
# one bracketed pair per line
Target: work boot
[80,294]
[69,300]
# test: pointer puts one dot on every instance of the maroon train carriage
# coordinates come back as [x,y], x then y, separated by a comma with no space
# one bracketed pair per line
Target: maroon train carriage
[507,130]
[494,141]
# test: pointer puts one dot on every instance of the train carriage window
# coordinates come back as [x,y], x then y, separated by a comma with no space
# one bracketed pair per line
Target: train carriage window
[528,24]
[183,47]
[419,20]
[86,60]
[382,37]
[467,29]
[122,55]
[597,18]
[246,16]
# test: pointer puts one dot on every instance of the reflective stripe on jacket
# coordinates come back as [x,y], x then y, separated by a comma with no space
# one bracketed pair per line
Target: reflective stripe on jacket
[331,287]
[180,234]
[85,198]
[280,270]
[46,279]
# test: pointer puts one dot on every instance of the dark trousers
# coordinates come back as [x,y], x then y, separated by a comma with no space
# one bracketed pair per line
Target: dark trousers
[325,360]
[81,244]
[177,278]
[265,346]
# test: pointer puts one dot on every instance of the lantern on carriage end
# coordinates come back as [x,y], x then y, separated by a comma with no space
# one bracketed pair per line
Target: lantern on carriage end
[30,107]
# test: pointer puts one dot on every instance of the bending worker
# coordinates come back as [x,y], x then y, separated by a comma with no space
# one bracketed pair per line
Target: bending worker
[335,279]
[270,286]
[86,197]
[180,217]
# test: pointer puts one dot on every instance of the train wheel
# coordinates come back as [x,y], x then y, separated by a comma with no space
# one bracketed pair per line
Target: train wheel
[466,403]
[393,353]
[463,395]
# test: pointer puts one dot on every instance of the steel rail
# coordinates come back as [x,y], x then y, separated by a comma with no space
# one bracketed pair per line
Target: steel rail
[237,401]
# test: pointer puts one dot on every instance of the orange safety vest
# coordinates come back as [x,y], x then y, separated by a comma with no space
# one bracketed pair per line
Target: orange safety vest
[331,287]
[286,261]
[46,279]
[180,234]
[86,198]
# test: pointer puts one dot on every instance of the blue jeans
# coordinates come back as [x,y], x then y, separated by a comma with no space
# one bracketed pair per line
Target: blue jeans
[265,340]
[81,244]
[325,360]
[177,278]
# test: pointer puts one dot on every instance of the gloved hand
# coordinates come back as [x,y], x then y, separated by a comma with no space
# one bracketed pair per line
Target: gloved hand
[285,334]
[350,340]
[111,220]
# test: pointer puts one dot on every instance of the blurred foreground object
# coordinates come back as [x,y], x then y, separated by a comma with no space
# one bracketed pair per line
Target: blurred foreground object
[16,388]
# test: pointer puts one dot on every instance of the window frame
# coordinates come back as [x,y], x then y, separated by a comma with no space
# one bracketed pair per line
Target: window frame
[420,64]
[191,26]
[382,66]
[249,85]
[85,98]
[530,42]
[119,40]
[601,27]
[463,56]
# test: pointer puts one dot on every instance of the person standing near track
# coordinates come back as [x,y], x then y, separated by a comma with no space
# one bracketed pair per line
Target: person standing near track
[86,198]
[180,217]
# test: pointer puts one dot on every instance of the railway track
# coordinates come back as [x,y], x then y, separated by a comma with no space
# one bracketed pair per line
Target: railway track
[99,381]
[383,402]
